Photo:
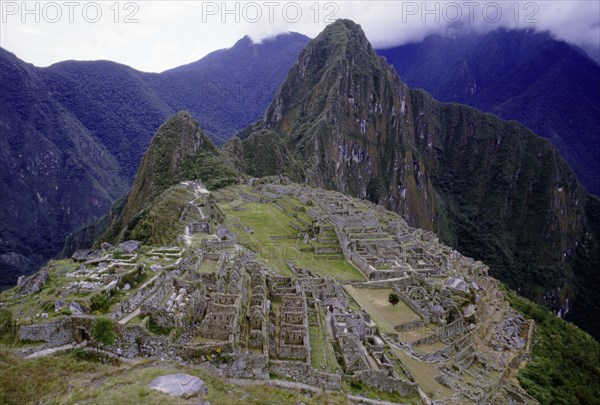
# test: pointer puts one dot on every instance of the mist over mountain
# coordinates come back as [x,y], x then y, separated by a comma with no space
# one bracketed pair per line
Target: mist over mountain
[548,85]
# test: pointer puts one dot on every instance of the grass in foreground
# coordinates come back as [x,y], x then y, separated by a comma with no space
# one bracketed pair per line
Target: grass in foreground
[64,378]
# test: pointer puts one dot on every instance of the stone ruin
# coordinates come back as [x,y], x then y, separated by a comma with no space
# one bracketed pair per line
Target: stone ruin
[259,322]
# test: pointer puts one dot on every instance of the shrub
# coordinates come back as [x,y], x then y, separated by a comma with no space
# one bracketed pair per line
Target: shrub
[393,298]
[563,367]
[101,302]
[157,329]
[104,331]
[48,306]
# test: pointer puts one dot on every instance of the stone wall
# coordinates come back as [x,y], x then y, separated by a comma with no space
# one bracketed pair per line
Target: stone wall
[379,275]
[412,305]
[314,214]
[251,198]
[56,333]
[343,243]
[353,222]
[362,264]
[302,372]
[382,381]
[212,256]
[164,288]
[449,331]
[407,326]
[247,366]
[155,284]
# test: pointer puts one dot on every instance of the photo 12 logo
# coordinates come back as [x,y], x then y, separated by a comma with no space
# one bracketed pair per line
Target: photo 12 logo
[469,11]
[269,11]
[69,11]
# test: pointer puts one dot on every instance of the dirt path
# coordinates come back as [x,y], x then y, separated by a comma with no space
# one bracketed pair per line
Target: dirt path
[129,317]
[52,350]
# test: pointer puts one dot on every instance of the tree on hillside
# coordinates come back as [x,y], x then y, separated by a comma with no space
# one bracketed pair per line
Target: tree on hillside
[393,298]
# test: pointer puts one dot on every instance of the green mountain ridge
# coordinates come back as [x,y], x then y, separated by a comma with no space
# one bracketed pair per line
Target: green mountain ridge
[180,150]
[47,158]
[490,188]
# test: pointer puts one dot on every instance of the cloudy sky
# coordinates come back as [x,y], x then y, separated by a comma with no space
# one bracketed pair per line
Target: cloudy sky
[157,35]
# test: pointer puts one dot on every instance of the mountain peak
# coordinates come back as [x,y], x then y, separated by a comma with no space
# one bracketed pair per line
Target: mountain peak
[179,151]
[344,32]
[339,110]
[179,137]
[344,24]
[244,41]
[338,64]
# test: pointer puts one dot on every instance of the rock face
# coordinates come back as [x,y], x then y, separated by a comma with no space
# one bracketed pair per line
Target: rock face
[492,189]
[76,308]
[32,284]
[130,246]
[105,246]
[344,122]
[180,385]
[82,255]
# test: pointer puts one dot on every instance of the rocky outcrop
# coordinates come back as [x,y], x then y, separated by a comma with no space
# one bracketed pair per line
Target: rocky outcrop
[130,246]
[32,284]
[83,255]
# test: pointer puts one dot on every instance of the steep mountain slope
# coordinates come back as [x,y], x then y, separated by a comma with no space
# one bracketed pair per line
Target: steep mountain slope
[123,107]
[340,107]
[547,85]
[55,175]
[488,187]
[113,102]
[230,88]
[83,128]
[179,151]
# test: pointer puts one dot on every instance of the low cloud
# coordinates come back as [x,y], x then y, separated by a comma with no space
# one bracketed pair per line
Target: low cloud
[155,36]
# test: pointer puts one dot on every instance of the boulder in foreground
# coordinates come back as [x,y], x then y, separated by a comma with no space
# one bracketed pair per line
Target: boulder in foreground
[180,385]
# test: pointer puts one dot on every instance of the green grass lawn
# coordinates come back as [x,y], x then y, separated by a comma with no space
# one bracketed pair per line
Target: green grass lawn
[269,220]
[424,373]
[322,356]
[317,351]
[207,266]
[375,302]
